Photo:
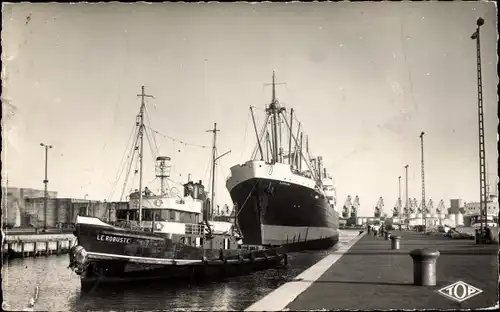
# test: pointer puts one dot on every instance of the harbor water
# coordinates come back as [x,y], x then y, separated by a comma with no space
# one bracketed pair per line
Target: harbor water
[59,287]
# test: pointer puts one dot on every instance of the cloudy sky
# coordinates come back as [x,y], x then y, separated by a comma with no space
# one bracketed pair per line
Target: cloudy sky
[364,78]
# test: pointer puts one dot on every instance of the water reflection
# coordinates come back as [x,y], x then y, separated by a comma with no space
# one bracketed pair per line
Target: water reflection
[233,293]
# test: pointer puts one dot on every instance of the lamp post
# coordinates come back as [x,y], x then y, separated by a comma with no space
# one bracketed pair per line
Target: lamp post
[407,207]
[424,217]
[399,194]
[45,181]
[88,204]
[482,164]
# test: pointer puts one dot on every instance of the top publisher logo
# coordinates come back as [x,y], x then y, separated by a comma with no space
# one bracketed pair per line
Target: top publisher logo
[459,291]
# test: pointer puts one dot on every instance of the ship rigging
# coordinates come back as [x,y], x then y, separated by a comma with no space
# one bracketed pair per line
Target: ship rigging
[142,132]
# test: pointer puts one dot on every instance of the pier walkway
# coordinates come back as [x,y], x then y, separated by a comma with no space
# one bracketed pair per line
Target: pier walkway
[372,276]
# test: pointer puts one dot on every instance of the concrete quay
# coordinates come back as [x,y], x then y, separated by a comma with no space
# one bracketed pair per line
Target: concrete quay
[371,276]
[32,245]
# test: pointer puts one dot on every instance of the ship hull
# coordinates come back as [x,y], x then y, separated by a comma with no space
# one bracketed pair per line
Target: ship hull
[274,212]
[299,238]
[101,239]
[108,255]
[106,239]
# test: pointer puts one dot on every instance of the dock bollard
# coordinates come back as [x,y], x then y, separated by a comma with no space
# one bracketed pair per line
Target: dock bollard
[387,235]
[424,266]
[395,242]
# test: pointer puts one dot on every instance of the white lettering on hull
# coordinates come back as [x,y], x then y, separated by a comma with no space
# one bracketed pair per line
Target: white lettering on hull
[113,239]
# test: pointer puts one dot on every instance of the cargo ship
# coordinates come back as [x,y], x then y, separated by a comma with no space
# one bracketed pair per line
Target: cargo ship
[281,196]
[164,236]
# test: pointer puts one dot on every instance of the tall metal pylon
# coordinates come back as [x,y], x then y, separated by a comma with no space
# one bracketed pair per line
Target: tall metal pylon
[482,163]
[424,218]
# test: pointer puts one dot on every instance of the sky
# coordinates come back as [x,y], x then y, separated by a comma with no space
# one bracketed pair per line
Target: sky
[363,78]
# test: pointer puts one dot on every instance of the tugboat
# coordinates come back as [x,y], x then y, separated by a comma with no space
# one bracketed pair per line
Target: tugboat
[280,196]
[161,236]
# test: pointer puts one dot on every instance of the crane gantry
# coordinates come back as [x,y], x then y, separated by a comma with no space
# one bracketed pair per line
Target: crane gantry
[397,208]
[355,207]
[346,210]
[379,208]
[441,208]
[430,207]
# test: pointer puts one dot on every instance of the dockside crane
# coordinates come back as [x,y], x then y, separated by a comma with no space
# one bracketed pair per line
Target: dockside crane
[416,206]
[347,207]
[441,208]
[355,207]
[379,207]
[430,207]
[397,208]
[413,205]
[407,209]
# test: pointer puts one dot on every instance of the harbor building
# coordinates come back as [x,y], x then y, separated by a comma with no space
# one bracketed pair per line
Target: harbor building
[472,215]
[492,206]
[25,208]
[14,210]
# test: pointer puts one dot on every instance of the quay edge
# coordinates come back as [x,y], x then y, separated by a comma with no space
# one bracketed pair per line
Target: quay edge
[32,245]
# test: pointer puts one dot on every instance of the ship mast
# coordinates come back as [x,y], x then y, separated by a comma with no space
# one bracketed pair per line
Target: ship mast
[214,160]
[214,151]
[274,110]
[141,146]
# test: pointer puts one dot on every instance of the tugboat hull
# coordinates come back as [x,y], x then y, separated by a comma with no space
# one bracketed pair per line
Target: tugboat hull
[101,270]
[109,255]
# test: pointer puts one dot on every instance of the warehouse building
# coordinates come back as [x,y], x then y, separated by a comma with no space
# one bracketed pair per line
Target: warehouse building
[23,207]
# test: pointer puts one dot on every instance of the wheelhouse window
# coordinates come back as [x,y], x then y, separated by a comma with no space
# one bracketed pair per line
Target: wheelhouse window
[159,215]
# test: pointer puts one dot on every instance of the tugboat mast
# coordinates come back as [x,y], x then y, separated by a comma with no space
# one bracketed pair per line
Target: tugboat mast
[214,160]
[141,146]
[214,151]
